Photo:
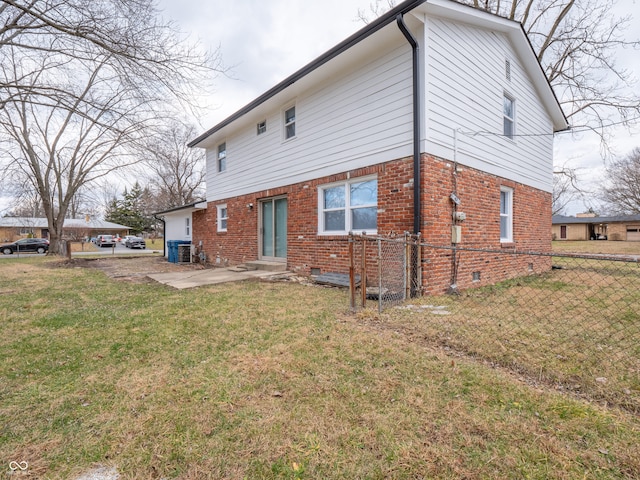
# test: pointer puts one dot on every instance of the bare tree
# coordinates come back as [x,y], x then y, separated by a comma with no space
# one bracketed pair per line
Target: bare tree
[622,190]
[175,171]
[81,84]
[376,8]
[576,43]
[565,189]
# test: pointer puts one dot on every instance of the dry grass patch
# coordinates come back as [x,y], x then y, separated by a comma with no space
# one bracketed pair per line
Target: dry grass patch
[597,246]
[260,380]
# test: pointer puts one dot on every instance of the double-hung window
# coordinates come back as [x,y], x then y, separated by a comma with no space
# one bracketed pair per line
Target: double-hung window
[222,218]
[187,226]
[290,123]
[508,116]
[350,206]
[506,215]
[222,157]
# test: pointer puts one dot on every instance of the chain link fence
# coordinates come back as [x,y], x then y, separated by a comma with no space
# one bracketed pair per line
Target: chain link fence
[387,267]
[572,321]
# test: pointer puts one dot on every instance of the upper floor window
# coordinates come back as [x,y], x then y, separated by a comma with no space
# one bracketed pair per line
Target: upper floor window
[290,123]
[222,157]
[261,127]
[222,218]
[348,206]
[506,214]
[187,226]
[509,116]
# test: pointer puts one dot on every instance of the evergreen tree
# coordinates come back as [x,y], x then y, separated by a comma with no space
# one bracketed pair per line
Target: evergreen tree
[131,211]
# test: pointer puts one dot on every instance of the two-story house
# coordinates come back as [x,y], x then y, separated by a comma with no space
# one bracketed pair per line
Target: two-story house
[433,98]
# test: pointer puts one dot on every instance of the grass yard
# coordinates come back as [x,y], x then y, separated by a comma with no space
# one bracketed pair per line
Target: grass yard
[597,246]
[268,381]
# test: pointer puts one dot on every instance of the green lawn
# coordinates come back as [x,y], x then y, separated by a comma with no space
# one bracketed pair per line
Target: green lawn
[267,380]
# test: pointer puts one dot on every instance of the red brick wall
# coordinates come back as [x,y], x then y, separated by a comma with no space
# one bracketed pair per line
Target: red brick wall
[479,195]
[480,200]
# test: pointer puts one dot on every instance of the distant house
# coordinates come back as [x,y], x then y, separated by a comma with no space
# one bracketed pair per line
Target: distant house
[591,227]
[178,221]
[433,108]
[14,228]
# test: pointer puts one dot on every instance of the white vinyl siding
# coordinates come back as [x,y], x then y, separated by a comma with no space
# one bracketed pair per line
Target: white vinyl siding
[348,122]
[465,88]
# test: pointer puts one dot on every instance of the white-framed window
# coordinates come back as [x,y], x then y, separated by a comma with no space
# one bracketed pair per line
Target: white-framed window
[350,206]
[506,214]
[222,157]
[261,127]
[222,218]
[509,116]
[290,122]
[187,226]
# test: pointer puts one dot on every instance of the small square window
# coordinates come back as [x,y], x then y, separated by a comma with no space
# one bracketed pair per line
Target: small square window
[509,116]
[222,157]
[262,127]
[290,123]
[222,218]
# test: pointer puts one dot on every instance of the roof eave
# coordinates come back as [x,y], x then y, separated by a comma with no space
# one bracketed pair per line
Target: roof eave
[354,39]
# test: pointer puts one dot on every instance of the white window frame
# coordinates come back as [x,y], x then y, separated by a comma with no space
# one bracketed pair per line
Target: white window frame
[261,127]
[347,207]
[221,158]
[506,237]
[187,226]
[511,119]
[222,217]
[291,123]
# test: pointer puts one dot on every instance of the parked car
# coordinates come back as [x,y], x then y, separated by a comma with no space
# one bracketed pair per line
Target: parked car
[105,241]
[37,245]
[135,242]
[125,238]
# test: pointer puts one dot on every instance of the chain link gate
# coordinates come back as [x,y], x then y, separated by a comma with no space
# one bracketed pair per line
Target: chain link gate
[384,269]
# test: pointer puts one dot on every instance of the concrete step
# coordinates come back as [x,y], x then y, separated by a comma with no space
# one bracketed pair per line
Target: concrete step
[265,265]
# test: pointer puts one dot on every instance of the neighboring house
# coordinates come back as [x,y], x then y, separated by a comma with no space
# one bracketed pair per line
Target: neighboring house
[374,137]
[14,228]
[178,222]
[623,227]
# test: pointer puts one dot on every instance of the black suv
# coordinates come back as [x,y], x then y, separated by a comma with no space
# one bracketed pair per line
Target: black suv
[135,242]
[38,245]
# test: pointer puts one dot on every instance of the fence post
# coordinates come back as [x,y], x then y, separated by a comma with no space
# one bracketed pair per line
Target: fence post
[352,278]
[407,266]
[418,266]
[379,276]
[363,272]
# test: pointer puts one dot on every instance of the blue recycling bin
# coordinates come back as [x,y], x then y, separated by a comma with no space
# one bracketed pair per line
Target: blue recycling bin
[172,247]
